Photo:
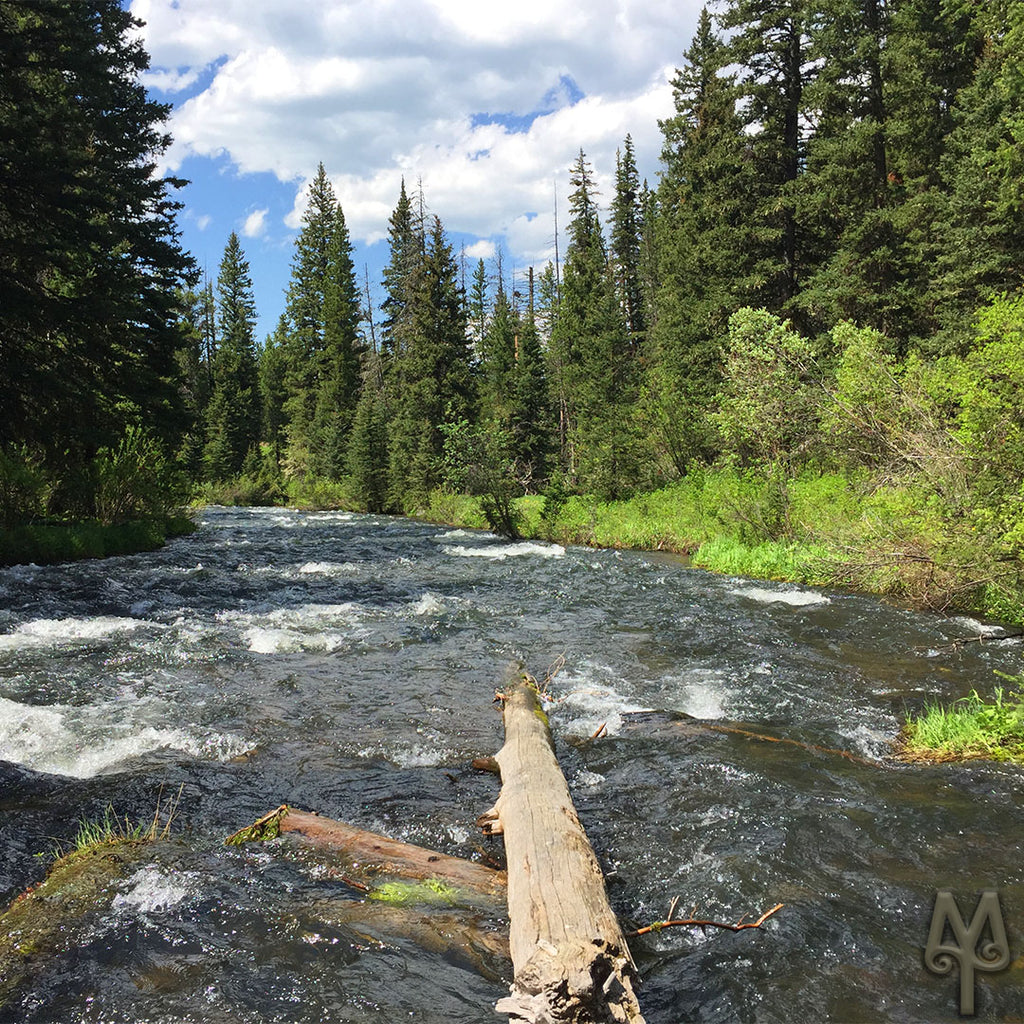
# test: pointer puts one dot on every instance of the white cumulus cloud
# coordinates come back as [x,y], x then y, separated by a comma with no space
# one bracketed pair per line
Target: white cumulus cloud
[487,104]
[256,223]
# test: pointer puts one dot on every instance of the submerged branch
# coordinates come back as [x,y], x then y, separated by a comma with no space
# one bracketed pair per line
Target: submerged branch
[739,926]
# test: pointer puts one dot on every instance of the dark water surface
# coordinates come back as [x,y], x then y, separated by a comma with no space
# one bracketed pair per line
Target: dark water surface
[347,664]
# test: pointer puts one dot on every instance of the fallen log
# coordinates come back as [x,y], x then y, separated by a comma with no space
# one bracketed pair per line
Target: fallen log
[569,955]
[443,904]
[368,860]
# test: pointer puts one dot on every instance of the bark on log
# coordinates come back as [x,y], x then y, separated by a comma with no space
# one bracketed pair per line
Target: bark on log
[372,859]
[569,955]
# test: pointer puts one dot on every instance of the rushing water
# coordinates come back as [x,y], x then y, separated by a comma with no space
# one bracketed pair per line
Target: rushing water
[347,664]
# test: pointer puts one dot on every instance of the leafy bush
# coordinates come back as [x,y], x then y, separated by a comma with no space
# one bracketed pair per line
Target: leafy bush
[136,480]
[22,489]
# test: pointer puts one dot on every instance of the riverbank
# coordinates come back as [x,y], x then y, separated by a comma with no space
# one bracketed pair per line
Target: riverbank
[827,530]
[49,543]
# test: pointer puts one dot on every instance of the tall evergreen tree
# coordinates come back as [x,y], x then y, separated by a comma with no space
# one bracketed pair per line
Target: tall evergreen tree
[768,40]
[368,450]
[707,246]
[594,372]
[433,380]
[234,413]
[626,231]
[338,385]
[406,251]
[91,268]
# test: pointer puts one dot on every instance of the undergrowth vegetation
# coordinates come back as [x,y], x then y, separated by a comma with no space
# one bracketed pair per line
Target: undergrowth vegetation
[972,727]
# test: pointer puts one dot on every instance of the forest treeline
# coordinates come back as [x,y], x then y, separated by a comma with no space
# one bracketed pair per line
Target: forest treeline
[824,283]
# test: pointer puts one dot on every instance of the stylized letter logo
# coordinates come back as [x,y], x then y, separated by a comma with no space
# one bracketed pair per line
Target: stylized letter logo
[993,955]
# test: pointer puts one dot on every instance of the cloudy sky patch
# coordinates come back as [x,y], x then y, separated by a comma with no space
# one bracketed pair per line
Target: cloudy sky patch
[486,104]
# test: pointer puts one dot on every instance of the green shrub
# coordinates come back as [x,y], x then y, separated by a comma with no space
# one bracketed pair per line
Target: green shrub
[22,489]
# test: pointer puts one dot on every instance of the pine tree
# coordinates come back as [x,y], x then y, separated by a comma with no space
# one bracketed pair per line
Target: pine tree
[769,42]
[273,373]
[498,358]
[406,254]
[368,450]
[626,230]
[477,303]
[980,222]
[594,373]
[338,385]
[433,381]
[91,268]
[234,413]
[529,417]
[304,310]
[704,244]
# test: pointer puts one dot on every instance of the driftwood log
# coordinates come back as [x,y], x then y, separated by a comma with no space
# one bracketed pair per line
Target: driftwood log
[569,955]
[368,858]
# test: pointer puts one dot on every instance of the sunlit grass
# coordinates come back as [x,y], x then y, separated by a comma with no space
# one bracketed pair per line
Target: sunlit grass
[112,829]
[971,727]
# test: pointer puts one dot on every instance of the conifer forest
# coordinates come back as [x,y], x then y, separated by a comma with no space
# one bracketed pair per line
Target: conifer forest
[801,338]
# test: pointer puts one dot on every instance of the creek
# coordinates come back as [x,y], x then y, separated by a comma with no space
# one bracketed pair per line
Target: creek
[347,664]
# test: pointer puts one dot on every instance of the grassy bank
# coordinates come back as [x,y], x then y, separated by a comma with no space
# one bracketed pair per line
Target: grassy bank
[969,728]
[48,543]
[817,529]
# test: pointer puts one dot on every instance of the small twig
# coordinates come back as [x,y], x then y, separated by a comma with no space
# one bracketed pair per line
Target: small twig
[739,926]
[957,642]
[601,729]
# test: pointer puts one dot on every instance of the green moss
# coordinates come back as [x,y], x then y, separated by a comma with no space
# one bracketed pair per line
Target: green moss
[261,831]
[430,891]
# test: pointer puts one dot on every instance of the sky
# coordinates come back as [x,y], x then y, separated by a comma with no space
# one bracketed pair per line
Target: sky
[486,104]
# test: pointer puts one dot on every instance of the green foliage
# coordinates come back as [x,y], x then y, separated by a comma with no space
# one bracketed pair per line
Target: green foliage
[22,488]
[136,480]
[91,269]
[768,408]
[479,460]
[971,727]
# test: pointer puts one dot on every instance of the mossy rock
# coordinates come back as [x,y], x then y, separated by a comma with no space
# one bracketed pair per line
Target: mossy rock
[42,921]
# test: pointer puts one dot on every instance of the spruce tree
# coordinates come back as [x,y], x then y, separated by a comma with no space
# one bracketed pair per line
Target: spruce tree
[234,413]
[433,380]
[594,372]
[768,40]
[703,247]
[338,384]
[368,449]
[406,251]
[91,268]
[626,230]
[304,310]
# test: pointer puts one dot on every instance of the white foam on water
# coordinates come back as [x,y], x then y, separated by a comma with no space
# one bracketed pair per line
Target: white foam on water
[499,553]
[305,627]
[585,778]
[419,755]
[458,535]
[868,741]
[985,629]
[327,568]
[152,891]
[83,741]
[269,640]
[794,598]
[429,604]
[589,705]
[54,632]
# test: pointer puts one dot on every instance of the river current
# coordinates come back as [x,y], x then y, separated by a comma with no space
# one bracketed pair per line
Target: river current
[347,664]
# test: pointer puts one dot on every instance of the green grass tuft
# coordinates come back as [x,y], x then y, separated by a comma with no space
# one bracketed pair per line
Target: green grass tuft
[969,728]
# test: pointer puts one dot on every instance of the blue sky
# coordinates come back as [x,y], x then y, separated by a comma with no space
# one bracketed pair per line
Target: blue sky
[486,104]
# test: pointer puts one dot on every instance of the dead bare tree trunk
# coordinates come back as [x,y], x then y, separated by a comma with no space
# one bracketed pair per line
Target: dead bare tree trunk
[570,957]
